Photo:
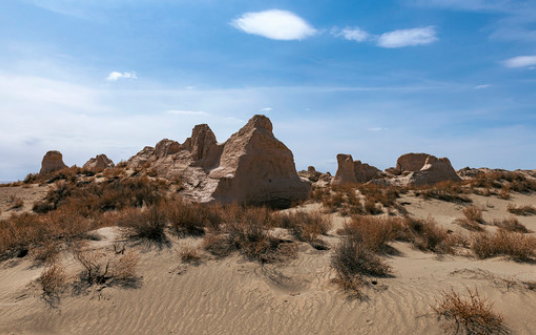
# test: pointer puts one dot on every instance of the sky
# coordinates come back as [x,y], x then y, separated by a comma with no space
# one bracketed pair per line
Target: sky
[374,79]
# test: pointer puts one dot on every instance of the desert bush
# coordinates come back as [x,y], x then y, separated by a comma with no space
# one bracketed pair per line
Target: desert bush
[191,255]
[511,225]
[521,210]
[354,258]
[52,279]
[15,202]
[504,193]
[255,243]
[190,219]
[149,224]
[218,245]
[374,232]
[31,178]
[305,226]
[384,195]
[425,234]
[473,315]
[446,191]
[473,213]
[518,246]
[99,268]
[333,201]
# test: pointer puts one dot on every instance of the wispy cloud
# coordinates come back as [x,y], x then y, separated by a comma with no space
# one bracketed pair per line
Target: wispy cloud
[275,24]
[114,76]
[408,37]
[351,34]
[184,112]
[481,87]
[520,61]
[266,109]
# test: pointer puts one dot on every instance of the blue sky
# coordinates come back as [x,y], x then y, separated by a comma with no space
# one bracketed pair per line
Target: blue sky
[374,79]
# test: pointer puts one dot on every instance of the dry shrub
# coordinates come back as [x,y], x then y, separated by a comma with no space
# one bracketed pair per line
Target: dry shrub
[255,243]
[374,232]
[15,202]
[353,259]
[319,193]
[218,245]
[333,200]
[511,225]
[31,178]
[191,255]
[518,246]
[52,279]
[305,226]
[376,194]
[149,224]
[447,191]
[190,219]
[521,210]
[113,173]
[425,234]
[472,315]
[469,225]
[504,193]
[99,268]
[473,213]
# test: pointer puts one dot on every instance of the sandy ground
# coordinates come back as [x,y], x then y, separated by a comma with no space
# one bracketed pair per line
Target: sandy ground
[234,296]
[29,194]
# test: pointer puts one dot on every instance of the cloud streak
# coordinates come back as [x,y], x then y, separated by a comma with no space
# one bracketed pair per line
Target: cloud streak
[351,34]
[275,24]
[115,76]
[408,37]
[520,61]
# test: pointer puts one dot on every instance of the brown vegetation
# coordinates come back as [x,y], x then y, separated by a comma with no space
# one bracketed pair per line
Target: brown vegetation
[472,315]
[511,224]
[446,191]
[521,210]
[99,268]
[52,279]
[518,246]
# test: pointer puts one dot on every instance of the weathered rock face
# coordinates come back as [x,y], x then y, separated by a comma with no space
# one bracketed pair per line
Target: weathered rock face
[256,168]
[99,163]
[252,167]
[411,162]
[435,170]
[352,172]
[52,161]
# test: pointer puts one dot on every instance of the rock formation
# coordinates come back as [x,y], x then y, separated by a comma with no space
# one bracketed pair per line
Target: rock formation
[352,172]
[435,170]
[410,162]
[52,161]
[251,167]
[99,163]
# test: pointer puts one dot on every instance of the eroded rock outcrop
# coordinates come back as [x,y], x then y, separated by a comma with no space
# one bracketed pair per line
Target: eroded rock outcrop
[434,170]
[251,167]
[99,163]
[352,172]
[52,161]
[410,162]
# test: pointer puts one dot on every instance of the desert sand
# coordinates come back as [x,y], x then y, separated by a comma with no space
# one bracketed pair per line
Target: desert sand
[236,296]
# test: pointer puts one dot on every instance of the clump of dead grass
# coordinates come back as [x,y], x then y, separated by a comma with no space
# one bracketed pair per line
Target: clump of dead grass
[472,315]
[100,268]
[518,246]
[446,191]
[511,224]
[53,279]
[521,210]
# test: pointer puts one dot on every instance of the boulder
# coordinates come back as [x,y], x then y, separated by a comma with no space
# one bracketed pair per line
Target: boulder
[166,147]
[352,172]
[99,163]
[52,161]
[435,170]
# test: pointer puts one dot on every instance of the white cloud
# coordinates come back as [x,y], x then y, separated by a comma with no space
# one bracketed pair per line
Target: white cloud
[480,87]
[521,61]
[183,112]
[275,24]
[408,37]
[114,76]
[377,129]
[266,109]
[351,34]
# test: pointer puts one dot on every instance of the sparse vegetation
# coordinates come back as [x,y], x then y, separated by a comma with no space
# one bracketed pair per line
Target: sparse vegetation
[473,219]
[521,210]
[511,225]
[446,191]
[53,279]
[472,315]
[306,226]
[518,246]
[191,255]
[99,268]
[15,202]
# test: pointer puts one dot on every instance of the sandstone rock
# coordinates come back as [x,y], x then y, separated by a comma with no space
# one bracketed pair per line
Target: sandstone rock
[251,167]
[256,168]
[52,161]
[411,162]
[352,172]
[99,163]
[434,170]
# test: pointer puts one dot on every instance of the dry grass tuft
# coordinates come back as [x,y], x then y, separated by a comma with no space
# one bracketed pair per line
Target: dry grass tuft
[149,224]
[305,226]
[518,246]
[521,210]
[53,279]
[511,225]
[472,315]
[191,255]
[446,191]
[101,269]
[15,202]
